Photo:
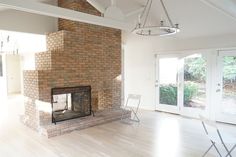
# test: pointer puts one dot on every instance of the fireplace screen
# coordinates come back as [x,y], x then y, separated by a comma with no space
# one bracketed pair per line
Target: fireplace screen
[70,102]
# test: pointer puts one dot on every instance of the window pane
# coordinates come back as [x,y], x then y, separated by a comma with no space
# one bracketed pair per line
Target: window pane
[195,81]
[229,85]
[168,81]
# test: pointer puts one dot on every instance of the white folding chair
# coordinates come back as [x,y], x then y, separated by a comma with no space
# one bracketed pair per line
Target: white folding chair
[132,104]
[217,137]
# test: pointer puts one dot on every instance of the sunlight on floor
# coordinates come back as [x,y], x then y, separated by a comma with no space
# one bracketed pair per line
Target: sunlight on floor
[158,135]
[11,108]
[4,112]
[168,138]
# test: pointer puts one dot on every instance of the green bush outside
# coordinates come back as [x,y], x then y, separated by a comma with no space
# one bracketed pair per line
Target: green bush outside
[190,91]
[168,93]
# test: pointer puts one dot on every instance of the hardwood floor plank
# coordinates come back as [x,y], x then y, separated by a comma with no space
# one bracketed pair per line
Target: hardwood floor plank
[158,135]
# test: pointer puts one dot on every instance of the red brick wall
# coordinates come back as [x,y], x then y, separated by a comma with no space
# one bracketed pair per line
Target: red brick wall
[43,61]
[79,54]
[93,59]
[31,119]
[77,5]
[30,82]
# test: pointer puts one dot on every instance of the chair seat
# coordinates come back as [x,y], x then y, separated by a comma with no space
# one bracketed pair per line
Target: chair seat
[132,105]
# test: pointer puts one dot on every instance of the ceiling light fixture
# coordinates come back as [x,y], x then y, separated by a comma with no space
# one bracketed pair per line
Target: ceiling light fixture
[164,29]
[7,45]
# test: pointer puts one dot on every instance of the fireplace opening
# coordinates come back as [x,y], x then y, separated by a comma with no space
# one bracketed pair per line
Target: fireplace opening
[70,102]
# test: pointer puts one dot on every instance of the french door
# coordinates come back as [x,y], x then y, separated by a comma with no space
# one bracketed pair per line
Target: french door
[167,84]
[226,87]
[182,84]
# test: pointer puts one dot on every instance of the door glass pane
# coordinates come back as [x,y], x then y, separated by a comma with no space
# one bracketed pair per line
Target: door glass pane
[195,81]
[229,85]
[168,70]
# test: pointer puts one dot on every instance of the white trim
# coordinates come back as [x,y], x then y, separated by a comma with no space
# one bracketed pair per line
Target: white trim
[168,108]
[191,112]
[134,12]
[54,11]
[219,115]
[122,75]
[164,107]
[97,5]
[190,51]
[113,2]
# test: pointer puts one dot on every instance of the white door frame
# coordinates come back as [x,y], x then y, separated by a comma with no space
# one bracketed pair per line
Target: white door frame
[194,112]
[163,107]
[180,109]
[221,116]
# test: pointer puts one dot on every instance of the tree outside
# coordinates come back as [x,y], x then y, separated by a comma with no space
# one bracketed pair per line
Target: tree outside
[195,81]
[194,85]
[195,71]
[229,84]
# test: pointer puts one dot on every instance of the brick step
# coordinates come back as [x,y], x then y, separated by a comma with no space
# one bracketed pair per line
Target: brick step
[68,126]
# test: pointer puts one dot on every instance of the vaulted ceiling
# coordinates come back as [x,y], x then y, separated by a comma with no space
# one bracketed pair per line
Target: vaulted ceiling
[196,17]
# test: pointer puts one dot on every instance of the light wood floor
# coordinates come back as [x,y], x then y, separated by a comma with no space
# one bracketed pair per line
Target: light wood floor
[158,135]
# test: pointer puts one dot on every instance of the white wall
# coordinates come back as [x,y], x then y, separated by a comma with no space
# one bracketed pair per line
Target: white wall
[27,44]
[139,72]
[13,20]
[175,44]
[139,59]
[13,73]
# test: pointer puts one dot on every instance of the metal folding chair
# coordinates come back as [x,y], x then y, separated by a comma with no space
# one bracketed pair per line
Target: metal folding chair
[132,104]
[217,137]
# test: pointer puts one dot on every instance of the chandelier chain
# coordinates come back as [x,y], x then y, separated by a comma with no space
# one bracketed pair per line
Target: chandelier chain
[149,8]
[167,15]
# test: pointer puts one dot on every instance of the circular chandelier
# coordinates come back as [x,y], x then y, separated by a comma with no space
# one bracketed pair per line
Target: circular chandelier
[163,29]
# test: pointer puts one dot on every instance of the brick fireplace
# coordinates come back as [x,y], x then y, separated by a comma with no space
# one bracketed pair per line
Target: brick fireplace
[70,103]
[79,54]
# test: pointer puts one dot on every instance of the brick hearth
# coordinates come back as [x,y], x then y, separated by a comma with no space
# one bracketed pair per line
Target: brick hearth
[79,54]
[100,117]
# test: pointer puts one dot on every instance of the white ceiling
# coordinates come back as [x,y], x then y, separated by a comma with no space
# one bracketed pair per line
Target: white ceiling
[196,18]
[43,1]
[2,8]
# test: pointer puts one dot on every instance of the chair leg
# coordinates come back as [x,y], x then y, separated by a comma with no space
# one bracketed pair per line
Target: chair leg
[216,148]
[229,152]
[207,151]
[135,116]
[122,115]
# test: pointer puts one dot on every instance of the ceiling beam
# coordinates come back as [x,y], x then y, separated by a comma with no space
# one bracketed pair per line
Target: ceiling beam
[54,11]
[97,6]
[214,6]
[135,12]
[113,2]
